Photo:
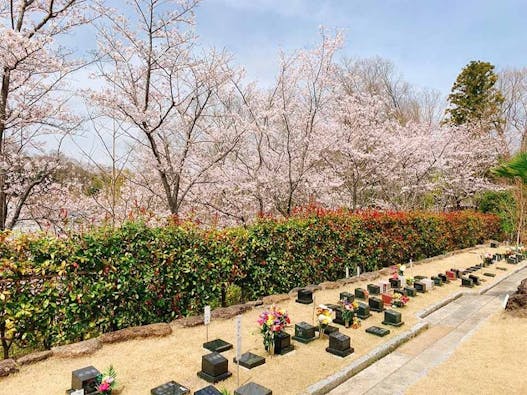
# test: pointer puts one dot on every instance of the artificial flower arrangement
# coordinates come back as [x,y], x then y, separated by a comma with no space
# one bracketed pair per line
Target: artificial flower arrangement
[410,281]
[106,381]
[399,300]
[271,322]
[487,258]
[349,313]
[324,318]
[398,270]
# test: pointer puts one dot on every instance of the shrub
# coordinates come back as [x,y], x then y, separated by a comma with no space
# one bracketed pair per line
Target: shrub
[54,291]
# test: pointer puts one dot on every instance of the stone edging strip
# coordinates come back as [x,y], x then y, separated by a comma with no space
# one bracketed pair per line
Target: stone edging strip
[329,383]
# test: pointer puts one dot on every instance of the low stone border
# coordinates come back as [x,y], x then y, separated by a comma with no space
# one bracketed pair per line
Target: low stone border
[331,382]
[436,306]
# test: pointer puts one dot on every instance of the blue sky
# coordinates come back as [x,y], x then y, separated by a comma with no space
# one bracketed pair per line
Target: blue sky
[429,41]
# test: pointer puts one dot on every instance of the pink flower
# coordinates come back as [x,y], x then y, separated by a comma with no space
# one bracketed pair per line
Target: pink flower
[103,387]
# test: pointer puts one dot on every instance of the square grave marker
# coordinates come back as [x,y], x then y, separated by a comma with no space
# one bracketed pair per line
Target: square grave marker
[393,318]
[360,293]
[475,279]
[282,343]
[304,332]
[501,268]
[410,291]
[208,390]
[437,281]
[339,344]
[377,331]
[85,379]
[252,389]
[420,286]
[347,296]
[395,282]
[214,368]
[304,296]
[217,345]
[376,304]
[374,289]
[457,272]
[363,312]
[170,388]
[443,278]
[249,360]
[467,282]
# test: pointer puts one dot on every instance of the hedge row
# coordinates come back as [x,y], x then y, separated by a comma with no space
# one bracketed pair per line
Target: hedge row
[59,290]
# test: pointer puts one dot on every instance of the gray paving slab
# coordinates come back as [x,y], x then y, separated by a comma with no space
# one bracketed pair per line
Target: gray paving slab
[396,372]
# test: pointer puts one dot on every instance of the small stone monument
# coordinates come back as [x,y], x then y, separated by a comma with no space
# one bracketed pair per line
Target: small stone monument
[347,296]
[339,344]
[360,293]
[252,389]
[393,318]
[170,388]
[420,286]
[85,379]
[377,331]
[208,390]
[249,360]
[304,332]
[363,312]
[376,304]
[214,368]
[374,289]
[304,296]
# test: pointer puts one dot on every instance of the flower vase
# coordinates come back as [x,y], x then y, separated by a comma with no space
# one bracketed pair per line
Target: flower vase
[347,323]
[269,345]
[321,331]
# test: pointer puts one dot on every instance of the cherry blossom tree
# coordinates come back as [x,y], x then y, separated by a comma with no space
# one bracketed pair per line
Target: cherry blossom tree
[172,96]
[33,106]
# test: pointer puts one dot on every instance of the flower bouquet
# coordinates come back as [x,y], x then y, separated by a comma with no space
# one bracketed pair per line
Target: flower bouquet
[399,300]
[349,313]
[271,322]
[398,270]
[106,381]
[324,318]
[410,281]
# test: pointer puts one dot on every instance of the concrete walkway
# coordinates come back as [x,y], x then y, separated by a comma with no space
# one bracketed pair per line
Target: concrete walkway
[449,326]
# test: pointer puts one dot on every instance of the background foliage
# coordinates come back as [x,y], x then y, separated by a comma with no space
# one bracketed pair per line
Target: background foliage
[60,290]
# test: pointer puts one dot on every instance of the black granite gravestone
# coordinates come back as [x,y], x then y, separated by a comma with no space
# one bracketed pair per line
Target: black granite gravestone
[393,318]
[282,343]
[208,390]
[214,368]
[252,389]
[217,345]
[304,296]
[489,274]
[360,293]
[170,388]
[376,304]
[467,282]
[249,360]
[86,379]
[410,291]
[420,287]
[339,344]
[437,281]
[377,331]
[475,279]
[374,289]
[395,282]
[363,312]
[304,332]
[347,296]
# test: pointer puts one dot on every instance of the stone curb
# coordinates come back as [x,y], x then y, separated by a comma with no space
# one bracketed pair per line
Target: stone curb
[521,266]
[430,309]
[331,382]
